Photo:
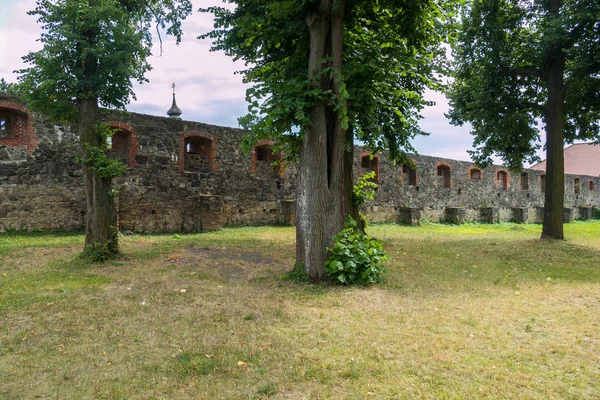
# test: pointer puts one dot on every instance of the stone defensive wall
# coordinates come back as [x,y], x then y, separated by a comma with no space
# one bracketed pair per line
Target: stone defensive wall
[187,176]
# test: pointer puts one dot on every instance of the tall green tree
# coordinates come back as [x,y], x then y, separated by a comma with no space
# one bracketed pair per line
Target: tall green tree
[523,61]
[92,50]
[5,86]
[322,73]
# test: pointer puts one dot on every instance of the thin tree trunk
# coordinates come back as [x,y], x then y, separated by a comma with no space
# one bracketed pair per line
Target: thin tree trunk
[555,123]
[100,226]
[320,191]
[350,208]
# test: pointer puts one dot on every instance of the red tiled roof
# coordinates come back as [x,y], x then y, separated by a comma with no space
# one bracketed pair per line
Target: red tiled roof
[580,159]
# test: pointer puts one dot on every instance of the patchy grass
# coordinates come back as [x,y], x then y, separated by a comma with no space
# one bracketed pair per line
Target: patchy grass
[476,311]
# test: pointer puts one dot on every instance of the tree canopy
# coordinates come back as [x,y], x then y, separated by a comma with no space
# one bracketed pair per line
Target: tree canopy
[503,59]
[322,73]
[392,52]
[523,61]
[94,48]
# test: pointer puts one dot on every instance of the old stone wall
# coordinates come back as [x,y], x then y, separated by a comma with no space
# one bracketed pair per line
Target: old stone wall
[187,176]
[438,185]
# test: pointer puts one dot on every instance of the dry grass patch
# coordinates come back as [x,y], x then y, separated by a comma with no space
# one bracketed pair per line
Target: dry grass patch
[475,311]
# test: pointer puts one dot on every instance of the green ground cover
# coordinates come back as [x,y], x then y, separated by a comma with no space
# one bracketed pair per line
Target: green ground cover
[472,311]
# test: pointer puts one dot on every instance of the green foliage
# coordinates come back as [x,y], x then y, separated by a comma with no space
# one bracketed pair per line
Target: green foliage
[392,51]
[503,59]
[268,389]
[98,253]
[356,258]
[364,190]
[97,157]
[105,167]
[196,364]
[101,252]
[8,87]
[297,274]
[94,49]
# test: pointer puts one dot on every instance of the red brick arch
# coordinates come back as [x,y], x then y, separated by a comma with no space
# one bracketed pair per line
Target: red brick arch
[25,134]
[360,166]
[263,143]
[498,186]
[212,162]
[133,140]
[478,169]
[415,174]
[447,183]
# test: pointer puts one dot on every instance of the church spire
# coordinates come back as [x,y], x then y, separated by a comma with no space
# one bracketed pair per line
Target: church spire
[174,112]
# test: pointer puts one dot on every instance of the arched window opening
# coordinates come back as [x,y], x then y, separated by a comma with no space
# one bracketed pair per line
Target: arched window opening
[524,181]
[502,180]
[444,176]
[577,186]
[370,164]
[3,128]
[591,186]
[121,145]
[263,162]
[409,175]
[475,174]
[543,183]
[198,154]
[13,125]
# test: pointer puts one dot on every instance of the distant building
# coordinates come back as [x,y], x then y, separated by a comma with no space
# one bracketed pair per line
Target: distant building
[580,159]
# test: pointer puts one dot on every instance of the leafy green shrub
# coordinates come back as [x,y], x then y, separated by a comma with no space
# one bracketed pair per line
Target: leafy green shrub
[356,258]
[298,274]
[364,190]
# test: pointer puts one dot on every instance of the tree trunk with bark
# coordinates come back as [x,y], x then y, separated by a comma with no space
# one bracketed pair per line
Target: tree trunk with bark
[555,125]
[100,216]
[322,189]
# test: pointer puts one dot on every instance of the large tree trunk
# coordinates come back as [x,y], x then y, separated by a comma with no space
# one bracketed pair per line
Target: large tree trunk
[555,124]
[100,216]
[321,188]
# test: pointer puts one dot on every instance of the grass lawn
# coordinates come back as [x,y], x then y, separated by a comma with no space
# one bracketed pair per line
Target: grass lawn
[469,312]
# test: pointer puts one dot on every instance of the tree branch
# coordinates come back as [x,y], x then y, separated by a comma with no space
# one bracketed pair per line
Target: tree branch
[593,69]
[590,70]
[520,71]
[158,23]
[534,106]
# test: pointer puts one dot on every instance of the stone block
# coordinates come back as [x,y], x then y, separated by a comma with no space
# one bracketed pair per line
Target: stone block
[520,215]
[586,213]
[489,215]
[211,212]
[539,215]
[455,215]
[567,214]
[409,216]
[287,212]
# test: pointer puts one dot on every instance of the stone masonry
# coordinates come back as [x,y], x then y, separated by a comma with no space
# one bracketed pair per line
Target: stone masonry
[187,176]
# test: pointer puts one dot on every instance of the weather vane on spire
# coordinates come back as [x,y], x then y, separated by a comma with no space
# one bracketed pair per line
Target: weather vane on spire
[174,112]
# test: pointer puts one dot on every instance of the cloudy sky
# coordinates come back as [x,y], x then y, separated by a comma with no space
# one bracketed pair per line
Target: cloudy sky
[208,90]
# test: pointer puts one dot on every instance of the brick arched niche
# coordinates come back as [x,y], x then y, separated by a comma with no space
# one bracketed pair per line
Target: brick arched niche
[474,174]
[444,174]
[369,163]
[524,181]
[124,142]
[197,152]
[409,174]
[262,159]
[577,186]
[502,179]
[16,127]
[543,183]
